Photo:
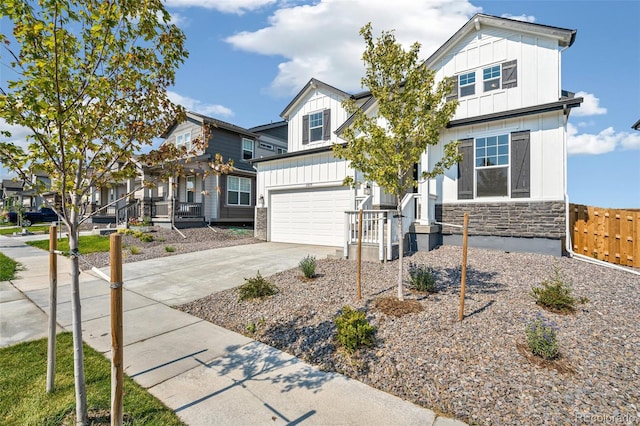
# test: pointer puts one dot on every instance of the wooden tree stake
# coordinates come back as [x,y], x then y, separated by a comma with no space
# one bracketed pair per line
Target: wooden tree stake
[53,307]
[463,282]
[116,329]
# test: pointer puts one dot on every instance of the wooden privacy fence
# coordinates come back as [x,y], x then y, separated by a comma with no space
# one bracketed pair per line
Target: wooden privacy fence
[612,235]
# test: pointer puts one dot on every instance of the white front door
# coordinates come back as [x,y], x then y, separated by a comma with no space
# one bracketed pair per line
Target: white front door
[309,216]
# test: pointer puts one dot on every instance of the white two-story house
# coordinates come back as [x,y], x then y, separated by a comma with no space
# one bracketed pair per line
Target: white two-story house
[511,124]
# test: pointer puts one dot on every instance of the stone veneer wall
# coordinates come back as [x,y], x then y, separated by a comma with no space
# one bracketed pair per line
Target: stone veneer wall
[544,219]
[260,230]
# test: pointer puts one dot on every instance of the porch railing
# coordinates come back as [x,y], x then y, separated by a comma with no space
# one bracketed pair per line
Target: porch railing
[181,209]
[124,213]
[380,227]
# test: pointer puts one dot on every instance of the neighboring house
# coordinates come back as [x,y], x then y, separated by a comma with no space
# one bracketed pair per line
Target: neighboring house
[511,124]
[195,198]
[17,193]
[636,126]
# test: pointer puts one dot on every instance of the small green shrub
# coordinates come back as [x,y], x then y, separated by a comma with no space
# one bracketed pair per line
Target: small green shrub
[169,249]
[353,329]
[135,250]
[251,328]
[256,288]
[422,278]
[541,338]
[146,238]
[555,294]
[308,266]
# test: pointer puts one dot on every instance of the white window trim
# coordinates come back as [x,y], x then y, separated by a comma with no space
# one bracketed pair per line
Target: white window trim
[239,191]
[461,86]
[281,150]
[253,148]
[181,140]
[475,168]
[498,78]
[265,145]
[321,126]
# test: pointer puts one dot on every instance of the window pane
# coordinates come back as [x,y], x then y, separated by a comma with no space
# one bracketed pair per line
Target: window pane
[247,144]
[491,182]
[491,85]
[315,134]
[467,90]
[503,140]
[480,152]
[232,197]
[480,162]
[179,140]
[245,185]
[233,183]
[490,73]
[315,119]
[244,199]
[503,160]
[480,142]
[503,149]
[492,150]
[492,141]
[187,137]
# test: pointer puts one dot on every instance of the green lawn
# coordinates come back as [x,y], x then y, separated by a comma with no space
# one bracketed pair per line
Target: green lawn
[86,244]
[8,268]
[23,396]
[34,228]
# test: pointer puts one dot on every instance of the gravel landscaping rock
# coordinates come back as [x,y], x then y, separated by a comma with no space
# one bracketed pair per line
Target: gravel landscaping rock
[471,370]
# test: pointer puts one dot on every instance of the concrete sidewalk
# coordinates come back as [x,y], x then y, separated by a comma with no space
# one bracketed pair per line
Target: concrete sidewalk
[205,373]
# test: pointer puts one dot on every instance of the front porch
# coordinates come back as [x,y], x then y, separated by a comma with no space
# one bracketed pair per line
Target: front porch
[380,238]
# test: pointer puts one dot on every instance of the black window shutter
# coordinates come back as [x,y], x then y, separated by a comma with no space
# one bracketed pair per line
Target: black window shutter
[454,90]
[510,74]
[326,124]
[465,170]
[520,165]
[305,129]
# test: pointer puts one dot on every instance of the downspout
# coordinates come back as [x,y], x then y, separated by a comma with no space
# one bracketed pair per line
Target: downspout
[568,243]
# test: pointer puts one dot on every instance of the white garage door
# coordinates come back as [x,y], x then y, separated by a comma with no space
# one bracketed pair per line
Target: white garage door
[310,216]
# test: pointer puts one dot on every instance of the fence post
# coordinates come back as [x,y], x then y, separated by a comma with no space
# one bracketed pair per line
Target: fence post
[463,280]
[359,252]
[116,329]
[53,308]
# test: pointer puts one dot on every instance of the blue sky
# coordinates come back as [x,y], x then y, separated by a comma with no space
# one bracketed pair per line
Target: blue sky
[248,58]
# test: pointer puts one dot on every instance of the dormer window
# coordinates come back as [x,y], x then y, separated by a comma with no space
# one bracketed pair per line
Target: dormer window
[184,140]
[491,78]
[467,84]
[315,126]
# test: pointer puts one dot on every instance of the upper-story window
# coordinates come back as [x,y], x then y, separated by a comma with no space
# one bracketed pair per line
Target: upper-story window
[467,83]
[265,145]
[281,150]
[184,139]
[491,78]
[247,149]
[315,126]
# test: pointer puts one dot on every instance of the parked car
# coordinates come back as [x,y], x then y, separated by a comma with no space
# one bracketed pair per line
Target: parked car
[44,214]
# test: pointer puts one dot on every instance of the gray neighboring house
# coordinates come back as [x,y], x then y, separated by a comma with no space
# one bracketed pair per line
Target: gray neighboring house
[196,198]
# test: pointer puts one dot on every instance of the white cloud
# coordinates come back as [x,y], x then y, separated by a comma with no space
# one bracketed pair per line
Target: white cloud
[606,141]
[226,6]
[198,106]
[525,18]
[18,133]
[590,105]
[322,40]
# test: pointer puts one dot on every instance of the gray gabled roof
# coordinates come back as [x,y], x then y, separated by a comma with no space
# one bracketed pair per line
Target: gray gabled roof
[268,126]
[214,121]
[312,84]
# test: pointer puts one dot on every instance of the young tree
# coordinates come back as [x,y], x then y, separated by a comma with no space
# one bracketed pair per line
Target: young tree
[89,83]
[412,111]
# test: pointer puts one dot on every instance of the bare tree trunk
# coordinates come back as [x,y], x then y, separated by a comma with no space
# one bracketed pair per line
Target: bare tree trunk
[400,249]
[78,354]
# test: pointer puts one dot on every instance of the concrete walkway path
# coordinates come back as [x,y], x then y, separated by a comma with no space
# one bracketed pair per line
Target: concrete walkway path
[208,375]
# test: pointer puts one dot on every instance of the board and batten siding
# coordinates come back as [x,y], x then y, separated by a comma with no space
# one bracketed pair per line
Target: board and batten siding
[538,65]
[317,101]
[309,171]
[546,174]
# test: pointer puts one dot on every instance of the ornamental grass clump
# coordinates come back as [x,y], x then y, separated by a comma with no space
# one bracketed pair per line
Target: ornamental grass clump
[542,338]
[308,266]
[256,288]
[422,278]
[353,329]
[555,294]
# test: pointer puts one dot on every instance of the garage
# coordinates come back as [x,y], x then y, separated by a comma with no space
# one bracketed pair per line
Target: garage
[310,216]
